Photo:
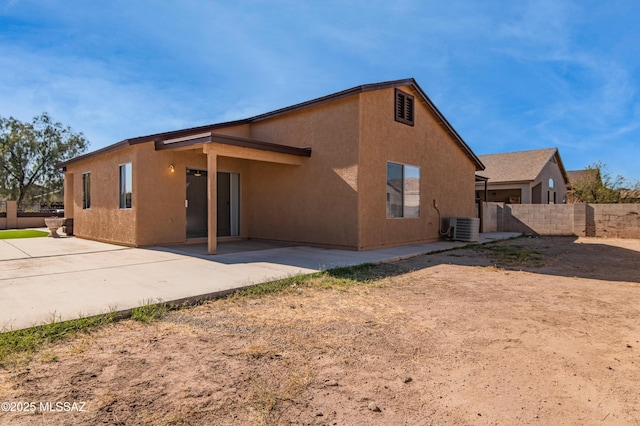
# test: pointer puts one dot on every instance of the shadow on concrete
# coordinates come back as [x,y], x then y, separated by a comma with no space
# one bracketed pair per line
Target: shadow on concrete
[226,247]
[257,252]
[598,259]
[592,258]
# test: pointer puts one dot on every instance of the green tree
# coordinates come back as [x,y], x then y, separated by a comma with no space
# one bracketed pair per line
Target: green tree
[597,186]
[29,153]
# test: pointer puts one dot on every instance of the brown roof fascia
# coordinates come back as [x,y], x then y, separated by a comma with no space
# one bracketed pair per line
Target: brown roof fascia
[261,145]
[561,165]
[377,86]
[332,97]
[160,145]
[329,98]
[510,182]
[184,132]
[240,142]
[448,127]
[106,149]
[211,127]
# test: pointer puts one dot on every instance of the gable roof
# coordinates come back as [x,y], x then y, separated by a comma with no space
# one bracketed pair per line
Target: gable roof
[521,166]
[583,175]
[159,137]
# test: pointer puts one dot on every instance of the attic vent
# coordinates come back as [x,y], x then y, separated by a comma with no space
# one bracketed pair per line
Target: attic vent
[464,228]
[404,107]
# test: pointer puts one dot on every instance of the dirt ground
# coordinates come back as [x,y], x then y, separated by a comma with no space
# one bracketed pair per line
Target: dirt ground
[542,331]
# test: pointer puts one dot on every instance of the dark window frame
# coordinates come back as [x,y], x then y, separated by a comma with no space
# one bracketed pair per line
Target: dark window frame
[86,190]
[126,179]
[400,203]
[404,107]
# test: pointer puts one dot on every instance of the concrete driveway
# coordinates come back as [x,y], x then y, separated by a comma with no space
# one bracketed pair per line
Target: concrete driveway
[42,279]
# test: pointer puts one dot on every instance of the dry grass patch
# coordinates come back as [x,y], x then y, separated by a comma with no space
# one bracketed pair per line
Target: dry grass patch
[473,338]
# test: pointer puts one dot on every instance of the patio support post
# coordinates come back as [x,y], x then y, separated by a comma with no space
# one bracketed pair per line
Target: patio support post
[68,195]
[486,190]
[212,174]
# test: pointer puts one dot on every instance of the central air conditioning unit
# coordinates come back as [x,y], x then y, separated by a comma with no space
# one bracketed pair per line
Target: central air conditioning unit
[464,228]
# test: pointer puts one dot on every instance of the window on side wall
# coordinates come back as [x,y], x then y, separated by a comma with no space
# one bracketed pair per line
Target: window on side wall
[86,190]
[125,186]
[403,190]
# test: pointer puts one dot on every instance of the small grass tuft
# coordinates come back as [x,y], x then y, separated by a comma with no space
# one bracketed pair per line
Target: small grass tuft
[22,233]
[333,278]
[276,286]
[22,344]
[366,272]
[515,254]
[149,312]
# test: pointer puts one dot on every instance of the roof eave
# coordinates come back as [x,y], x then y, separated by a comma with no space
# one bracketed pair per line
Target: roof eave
[236,141]
[508,182]
[106,149]
[448,127]
[332,97]
[184,132]
[561,166]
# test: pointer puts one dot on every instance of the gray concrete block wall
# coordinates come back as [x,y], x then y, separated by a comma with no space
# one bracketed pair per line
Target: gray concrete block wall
[616,220]
[543,219]
[583,220]
[491,220]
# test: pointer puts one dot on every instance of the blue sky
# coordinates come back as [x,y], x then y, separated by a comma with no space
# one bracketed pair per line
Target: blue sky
[509,76]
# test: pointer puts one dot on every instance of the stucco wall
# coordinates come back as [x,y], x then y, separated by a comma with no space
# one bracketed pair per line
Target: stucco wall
[104,220]
[161,193]
[335,198]
[552,171]
[446,173]
[317,201]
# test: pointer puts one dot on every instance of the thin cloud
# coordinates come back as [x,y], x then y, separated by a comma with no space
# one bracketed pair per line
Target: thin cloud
[507,75]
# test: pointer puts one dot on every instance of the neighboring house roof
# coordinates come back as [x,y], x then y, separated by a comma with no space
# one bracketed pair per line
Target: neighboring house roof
[159,137]
[521,166]
[583,175]
[630,195]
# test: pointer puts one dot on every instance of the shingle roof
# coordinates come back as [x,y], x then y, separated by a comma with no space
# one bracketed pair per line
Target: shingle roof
[521,166]
[582,175]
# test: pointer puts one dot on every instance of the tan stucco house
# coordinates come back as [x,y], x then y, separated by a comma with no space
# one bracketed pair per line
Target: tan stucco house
[523,177]
[359,169]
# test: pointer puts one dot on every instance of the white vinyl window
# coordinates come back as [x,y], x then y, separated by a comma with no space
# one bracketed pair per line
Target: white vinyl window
[403,190]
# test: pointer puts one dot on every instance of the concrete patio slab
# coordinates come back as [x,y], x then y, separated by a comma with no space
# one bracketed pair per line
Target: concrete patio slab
[23,248]
[45,278]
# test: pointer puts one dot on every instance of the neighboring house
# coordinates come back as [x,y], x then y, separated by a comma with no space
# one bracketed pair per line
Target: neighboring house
[630,195]
[586,177]
[524,177]
[586,186]
[358,169]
